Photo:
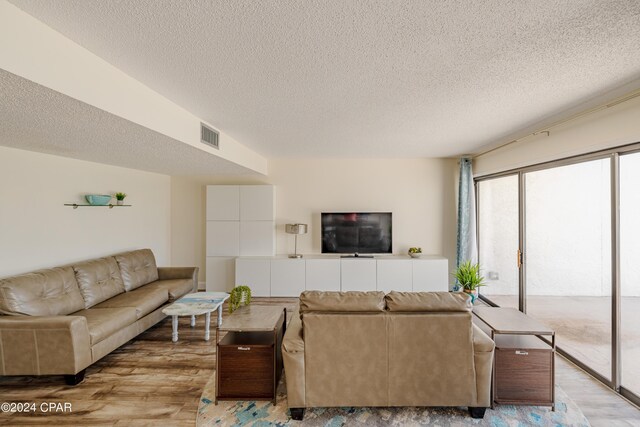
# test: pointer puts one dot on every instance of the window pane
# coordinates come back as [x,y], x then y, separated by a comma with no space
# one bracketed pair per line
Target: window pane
[630,270]
[498,239]
[568,257]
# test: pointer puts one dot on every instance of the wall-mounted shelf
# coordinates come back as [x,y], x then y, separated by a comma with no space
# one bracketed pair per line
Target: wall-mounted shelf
[76,206]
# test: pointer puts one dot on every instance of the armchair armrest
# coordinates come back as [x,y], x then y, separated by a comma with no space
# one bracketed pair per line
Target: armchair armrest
[483,348]
[170,273]
[481,341]
[293,358]
[44,345]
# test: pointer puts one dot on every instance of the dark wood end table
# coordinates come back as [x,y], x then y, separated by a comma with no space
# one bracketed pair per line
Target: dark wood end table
[524,363]
[249,357]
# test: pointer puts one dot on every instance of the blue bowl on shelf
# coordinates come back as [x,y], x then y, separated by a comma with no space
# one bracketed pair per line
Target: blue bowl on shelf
[98,199]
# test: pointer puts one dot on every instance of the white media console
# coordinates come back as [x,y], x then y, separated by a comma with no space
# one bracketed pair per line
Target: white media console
[281,276]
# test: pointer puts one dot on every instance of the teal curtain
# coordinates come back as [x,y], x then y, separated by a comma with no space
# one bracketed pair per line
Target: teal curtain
[467,247]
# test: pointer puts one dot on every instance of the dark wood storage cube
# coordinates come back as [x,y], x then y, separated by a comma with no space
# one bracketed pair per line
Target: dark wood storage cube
[523,371]
[246,365]
[249,363]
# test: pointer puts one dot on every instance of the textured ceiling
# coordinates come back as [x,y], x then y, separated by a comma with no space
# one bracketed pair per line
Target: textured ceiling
[362,78]
[36,118]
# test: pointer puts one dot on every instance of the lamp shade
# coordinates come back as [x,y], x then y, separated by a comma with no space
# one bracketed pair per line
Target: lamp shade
[296,228]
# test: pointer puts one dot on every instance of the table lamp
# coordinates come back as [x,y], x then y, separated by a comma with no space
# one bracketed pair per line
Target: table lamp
[296,229]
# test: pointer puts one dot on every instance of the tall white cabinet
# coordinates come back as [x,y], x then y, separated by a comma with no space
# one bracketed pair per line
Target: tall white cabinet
[240,222]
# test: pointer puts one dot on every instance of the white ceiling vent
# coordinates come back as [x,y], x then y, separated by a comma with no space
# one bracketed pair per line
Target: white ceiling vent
[209,136]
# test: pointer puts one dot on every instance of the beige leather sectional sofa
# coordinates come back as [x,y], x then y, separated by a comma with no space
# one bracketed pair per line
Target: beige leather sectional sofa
[399,349]
[59,321]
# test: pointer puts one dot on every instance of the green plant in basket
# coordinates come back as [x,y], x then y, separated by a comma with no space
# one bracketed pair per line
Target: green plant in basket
[120,196]
[239,295]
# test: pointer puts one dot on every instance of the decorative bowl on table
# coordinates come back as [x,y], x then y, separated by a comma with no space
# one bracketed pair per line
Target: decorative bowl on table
[415,252]
[98,199]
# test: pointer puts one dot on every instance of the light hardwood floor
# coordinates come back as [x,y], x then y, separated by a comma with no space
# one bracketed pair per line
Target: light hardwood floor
[151,381]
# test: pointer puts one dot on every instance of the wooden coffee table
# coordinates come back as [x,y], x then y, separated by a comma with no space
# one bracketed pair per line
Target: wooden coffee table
[249,357]
[524,364]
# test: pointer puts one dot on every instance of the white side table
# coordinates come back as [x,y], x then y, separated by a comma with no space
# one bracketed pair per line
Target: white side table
[193,305]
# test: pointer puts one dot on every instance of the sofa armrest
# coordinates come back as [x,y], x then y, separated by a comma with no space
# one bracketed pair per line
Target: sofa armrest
[44,345]
[483,348]
[170,273]
[293,358]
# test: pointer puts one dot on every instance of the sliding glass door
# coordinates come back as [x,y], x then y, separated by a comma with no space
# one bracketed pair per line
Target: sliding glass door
[630,271]
[568,257]
[498,239]
[576,223]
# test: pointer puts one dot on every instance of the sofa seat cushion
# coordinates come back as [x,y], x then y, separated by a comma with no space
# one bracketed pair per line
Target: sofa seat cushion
[138,268]
[99,280]
[176,288]
[145,300]
[353,301]
[104,322]
[51,292]
[428,301]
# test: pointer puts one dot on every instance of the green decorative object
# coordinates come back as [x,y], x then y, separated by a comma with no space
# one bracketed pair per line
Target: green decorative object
[415,252]
[468,276]
[120,198]
[239,295]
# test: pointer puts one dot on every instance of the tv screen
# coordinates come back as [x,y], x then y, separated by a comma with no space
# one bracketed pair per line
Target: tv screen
[362,232]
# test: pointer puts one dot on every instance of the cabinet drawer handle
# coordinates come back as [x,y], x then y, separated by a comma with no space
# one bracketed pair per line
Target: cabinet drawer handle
[522,353]
[244,348]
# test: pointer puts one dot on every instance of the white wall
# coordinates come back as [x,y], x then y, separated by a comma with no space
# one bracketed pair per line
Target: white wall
[37,231]
[419,192]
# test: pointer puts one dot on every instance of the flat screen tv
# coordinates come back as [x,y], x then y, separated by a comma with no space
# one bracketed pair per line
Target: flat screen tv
[362,232]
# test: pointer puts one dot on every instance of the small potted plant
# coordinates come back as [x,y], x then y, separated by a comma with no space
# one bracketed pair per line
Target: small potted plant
[239,295]
[415,252]
[120,198]
[468,276]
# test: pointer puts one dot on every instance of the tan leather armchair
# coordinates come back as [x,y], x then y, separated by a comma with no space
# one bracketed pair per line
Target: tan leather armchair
[402,349]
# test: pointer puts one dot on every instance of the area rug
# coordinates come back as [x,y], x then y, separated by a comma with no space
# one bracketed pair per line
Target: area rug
[263,413]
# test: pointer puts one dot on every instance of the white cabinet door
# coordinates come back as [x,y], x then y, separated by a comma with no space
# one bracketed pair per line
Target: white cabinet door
[287,277]
[220,274]
[394,275]
[257,203]
[223,203]
[430,275]
[223,238]
[257,238]
[322,275]
[358,274]
[256,274]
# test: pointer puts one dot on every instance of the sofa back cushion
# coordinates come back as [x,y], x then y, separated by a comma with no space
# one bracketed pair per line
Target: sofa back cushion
[138,268]
[99,280]
[353,301]
[428,301]
[346,358]
[431,359]
[51,292]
